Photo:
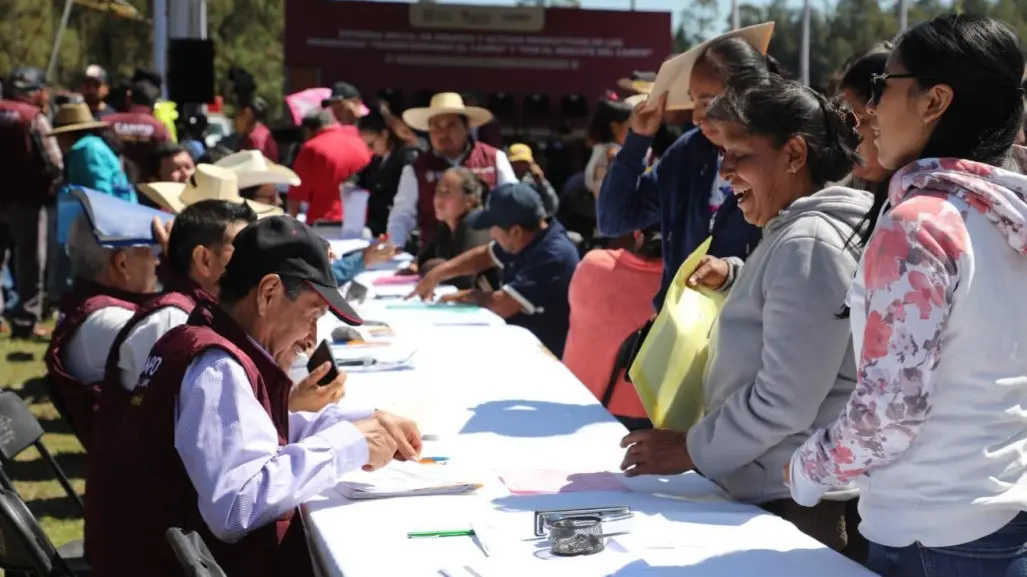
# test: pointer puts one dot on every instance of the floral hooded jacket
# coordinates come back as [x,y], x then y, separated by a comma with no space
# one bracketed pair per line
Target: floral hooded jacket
[911,268]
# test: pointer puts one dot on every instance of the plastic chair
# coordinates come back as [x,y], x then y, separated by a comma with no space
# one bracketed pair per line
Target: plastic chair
[193,554]
[26,549]
[19,430]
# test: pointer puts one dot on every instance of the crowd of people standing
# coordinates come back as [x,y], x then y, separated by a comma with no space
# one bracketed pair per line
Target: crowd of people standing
[864,379]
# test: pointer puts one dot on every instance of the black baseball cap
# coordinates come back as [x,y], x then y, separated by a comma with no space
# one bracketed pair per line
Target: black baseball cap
[509,205]
[341,91]
[27,78]
[285,246]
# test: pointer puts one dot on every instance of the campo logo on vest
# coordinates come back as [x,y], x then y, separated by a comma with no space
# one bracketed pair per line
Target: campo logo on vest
[10,117]
[133,131]
[149,369]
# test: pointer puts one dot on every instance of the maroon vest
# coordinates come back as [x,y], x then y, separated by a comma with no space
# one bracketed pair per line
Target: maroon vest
[429,168]
[75,400]
[114,398]
[28,182]
[149,490]
[139,132]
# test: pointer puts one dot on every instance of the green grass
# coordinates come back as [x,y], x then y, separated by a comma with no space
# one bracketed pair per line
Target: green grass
[22,370]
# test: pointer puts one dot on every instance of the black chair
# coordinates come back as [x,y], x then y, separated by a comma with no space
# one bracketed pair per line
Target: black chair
[193,554]
[536,106]
[26,550]
[503,105]
[574,106]
[20,430]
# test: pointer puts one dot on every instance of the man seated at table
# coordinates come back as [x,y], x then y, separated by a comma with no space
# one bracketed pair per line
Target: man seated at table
[537,259]
[208,443]
[198,250]
[109,284]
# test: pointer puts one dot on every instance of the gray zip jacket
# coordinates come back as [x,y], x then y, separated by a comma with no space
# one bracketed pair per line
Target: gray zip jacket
[781,363]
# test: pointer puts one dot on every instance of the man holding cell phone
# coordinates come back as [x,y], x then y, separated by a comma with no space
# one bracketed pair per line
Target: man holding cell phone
[208,442]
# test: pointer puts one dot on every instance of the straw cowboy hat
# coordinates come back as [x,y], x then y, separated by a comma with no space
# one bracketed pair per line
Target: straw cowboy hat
[445,103]
[209,182]
[675,74]
[252,168]
[639,83]
[75,117]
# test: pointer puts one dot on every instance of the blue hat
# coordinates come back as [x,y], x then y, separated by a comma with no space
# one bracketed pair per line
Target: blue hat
[509,205]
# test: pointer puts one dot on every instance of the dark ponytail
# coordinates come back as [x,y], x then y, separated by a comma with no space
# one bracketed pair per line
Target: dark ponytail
[782,109]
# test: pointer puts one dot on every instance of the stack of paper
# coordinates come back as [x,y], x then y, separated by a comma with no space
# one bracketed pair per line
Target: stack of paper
[406,479]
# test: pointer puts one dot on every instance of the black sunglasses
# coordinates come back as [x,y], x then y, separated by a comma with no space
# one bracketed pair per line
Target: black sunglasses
[878,82]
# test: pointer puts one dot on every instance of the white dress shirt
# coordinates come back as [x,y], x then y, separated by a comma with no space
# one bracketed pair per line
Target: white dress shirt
[136,349]
[229,447]
[85,356]
[403,217]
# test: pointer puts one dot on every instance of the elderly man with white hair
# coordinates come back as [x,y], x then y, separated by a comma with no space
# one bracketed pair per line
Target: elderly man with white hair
[109,285]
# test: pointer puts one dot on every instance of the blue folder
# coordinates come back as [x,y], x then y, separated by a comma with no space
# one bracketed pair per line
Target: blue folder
[115,222]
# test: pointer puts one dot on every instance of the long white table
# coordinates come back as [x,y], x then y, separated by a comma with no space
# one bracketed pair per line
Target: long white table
[497,400]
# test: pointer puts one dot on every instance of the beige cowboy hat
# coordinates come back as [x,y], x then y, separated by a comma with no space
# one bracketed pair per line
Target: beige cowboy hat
[639,83]
[209,182]
[75,117]
[445,103]
[675,74]
[252,168]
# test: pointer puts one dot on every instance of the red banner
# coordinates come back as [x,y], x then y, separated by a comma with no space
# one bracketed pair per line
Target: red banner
[422,47]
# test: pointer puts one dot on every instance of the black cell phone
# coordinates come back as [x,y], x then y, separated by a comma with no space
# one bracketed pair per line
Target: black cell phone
[323,354]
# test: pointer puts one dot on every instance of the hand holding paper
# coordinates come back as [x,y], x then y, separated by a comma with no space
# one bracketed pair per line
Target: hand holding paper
[647,116]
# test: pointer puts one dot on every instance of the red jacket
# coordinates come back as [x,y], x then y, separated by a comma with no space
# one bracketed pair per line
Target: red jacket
[324,164]
[260,139]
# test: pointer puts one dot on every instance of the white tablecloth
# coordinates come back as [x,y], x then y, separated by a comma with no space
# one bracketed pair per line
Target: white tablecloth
[497,401]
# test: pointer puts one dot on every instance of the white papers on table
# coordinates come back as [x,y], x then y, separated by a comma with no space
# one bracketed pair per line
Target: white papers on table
[407,479]
[374,355]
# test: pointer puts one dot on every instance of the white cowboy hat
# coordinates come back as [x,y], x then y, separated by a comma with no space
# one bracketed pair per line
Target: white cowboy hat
[634,99]
[445,103]
[675,74]
[209,182]
[74,117]
[639,83]
[253,169]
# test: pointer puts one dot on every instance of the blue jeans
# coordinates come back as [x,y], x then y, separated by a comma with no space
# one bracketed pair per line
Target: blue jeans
[1001,554]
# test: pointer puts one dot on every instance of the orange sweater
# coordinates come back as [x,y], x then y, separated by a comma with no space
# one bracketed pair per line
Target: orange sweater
[611,296]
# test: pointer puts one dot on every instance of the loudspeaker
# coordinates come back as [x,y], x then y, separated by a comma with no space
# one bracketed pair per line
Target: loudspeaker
[190,71]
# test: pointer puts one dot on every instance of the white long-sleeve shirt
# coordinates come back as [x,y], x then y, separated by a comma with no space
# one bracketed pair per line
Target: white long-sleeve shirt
[229,447]
[403,217]
[136,348]
[85,357]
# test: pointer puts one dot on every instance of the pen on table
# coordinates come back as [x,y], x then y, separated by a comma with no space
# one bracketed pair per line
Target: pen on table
[433,460]
[428,534]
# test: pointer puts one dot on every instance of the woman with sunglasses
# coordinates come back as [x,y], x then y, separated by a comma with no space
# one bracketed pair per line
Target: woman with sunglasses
[935,433]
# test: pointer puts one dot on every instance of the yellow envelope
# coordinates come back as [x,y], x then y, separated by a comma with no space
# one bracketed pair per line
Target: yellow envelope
[668,371]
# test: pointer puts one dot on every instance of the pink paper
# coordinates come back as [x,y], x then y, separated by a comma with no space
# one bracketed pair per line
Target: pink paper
[547,482]
[395,280]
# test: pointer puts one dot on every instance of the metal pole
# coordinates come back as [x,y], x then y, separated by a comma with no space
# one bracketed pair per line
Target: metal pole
[201,19]
[903,14]
[804,56]
[736,17]
[58,37]
[160,39]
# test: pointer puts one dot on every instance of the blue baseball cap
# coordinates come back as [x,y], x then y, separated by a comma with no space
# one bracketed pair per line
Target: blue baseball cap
[509,205]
